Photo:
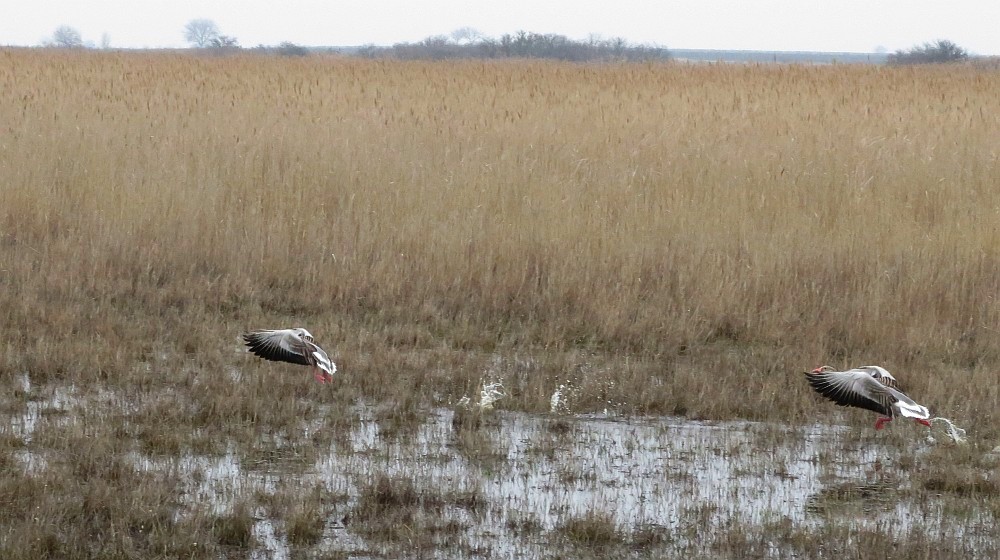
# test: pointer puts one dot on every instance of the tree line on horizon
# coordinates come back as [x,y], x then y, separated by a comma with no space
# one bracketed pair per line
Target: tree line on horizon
[468,43]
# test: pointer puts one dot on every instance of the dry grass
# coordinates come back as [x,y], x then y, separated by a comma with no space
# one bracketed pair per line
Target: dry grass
[235,528]
[669,239]
[742,220]
[156,205]
[782,540]
[392,510]
[592,530]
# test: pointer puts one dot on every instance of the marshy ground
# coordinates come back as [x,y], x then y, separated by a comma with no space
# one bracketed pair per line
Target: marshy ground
[668,247]
[465,482]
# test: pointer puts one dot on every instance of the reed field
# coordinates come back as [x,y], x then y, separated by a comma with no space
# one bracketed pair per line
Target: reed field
[665,239]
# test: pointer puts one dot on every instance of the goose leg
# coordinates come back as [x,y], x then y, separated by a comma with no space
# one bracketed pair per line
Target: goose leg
[882,421]
[319,375]
[922,421]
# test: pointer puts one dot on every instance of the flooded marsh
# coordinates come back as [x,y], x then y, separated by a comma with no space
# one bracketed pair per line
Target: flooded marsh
[546,344]
[471,482]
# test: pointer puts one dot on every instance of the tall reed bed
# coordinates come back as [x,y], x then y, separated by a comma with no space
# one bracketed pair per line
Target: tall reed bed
[666,221]
[645,238]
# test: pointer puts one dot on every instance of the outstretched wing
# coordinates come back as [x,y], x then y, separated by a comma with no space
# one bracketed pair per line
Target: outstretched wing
[881,375]
[279,345]
[854,388]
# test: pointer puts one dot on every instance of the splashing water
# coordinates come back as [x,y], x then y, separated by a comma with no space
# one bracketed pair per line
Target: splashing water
[561,400]
[557,400]
[956,434]
[488,394]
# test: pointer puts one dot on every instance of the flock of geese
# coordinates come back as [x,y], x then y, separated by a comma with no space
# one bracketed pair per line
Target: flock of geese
[867,387]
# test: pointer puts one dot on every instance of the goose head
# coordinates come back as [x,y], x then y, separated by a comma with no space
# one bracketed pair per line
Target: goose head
[304,334]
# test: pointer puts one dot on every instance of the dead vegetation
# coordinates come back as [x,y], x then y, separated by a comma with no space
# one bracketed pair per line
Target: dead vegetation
[580,208]
[593,530]
[664,239]
[390,509]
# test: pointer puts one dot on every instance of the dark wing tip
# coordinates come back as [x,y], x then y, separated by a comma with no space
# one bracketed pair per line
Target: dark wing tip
[264,345]
[833,390]
[254,340]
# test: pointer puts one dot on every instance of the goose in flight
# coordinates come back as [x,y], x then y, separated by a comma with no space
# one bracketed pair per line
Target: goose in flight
[292,345]
[868,387]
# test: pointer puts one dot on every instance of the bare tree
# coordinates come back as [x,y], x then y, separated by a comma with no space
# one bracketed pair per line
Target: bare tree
[201,32]
[66,37]
[521,44]
[938,52]
[465,35]
[289,48]
[105,41]
[224,42]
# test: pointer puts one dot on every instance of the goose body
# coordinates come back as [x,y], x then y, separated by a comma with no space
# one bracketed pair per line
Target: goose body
[295,346]
[868,387]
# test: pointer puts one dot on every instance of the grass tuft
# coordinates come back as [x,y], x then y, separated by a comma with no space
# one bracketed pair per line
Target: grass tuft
[235,528]
[594,529]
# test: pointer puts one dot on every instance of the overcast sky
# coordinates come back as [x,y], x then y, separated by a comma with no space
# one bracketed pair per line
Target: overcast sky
[814,25]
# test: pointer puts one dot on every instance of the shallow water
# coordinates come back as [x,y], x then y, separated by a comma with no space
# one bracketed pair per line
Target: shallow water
[683,477]
[687,479]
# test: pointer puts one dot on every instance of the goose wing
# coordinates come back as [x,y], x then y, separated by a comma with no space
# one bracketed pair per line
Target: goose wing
[881,375]
[283,345]
[854,388]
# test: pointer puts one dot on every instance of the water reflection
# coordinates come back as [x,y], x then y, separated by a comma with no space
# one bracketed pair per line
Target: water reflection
[681,475]
[684,478]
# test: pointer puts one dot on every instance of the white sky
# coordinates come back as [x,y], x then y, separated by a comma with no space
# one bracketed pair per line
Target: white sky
[815,25]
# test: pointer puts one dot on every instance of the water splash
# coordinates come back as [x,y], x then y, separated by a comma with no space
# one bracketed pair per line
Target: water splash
[949,429]
[489,393]
[562,399]
[557,403]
